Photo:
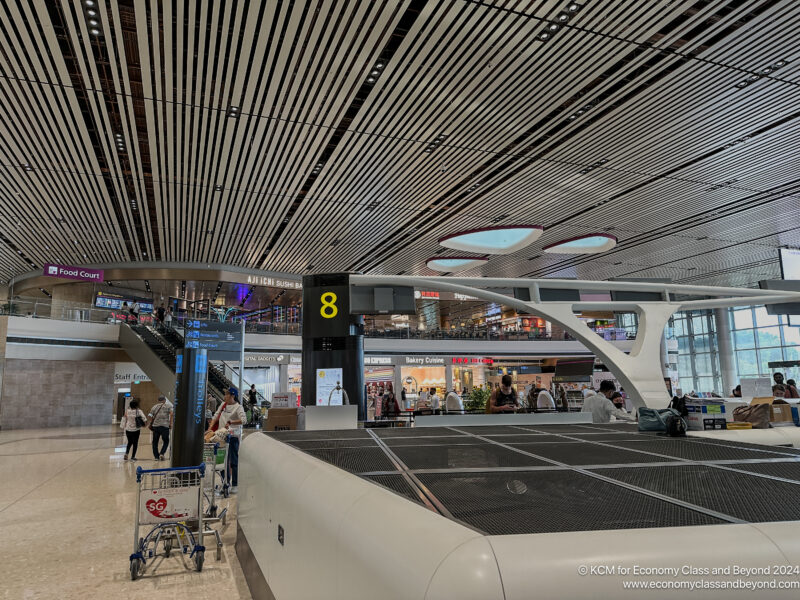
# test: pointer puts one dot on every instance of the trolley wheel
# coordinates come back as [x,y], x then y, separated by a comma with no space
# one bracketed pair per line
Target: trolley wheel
[225,518]
[198,560]
[167,546]
[136,565]
[226,491]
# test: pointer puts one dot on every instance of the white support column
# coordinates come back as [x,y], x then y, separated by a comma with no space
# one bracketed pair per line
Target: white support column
[448,376]
[638,372]
[725,350]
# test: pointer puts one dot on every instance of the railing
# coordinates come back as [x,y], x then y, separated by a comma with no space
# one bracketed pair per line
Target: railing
[74,311]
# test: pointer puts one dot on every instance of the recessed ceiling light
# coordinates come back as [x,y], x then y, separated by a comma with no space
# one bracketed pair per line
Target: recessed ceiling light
[370,80]
[585,244]
[93,23]
[742,84]
[544,36]
[493,240]
[379,66]
[753,78]
[91,13]
[452,264]
[554,27]
[89,2]
[781,63]
[563,17]
[573,7]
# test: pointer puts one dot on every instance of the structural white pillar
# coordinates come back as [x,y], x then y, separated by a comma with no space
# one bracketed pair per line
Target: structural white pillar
[638,372]
[283,378]
[448,377]
[725,350]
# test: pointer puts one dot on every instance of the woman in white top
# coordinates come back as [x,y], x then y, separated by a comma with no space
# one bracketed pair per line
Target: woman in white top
[132,428]
[231,414]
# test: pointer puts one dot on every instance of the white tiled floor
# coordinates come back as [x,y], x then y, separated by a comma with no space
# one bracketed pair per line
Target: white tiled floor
[66,523]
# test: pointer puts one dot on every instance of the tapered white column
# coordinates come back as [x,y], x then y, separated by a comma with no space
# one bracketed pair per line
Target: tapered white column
[725,350]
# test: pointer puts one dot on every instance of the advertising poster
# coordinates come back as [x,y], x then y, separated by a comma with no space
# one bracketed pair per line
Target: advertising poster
[168,504]
[326,383]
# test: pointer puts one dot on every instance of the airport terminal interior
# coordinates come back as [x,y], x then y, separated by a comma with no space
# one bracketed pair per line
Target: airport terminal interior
[399,299]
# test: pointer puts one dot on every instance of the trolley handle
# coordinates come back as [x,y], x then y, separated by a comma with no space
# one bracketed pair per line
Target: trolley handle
[140,471]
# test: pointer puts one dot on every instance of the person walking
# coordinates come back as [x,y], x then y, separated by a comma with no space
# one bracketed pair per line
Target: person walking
[231,415]
[161,313]
[126,310]
[132,422]
[168,318]
[135,310]
[160,424]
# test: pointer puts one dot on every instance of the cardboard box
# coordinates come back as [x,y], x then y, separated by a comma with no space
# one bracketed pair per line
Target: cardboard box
[702,409]
[281,419]
[780,410]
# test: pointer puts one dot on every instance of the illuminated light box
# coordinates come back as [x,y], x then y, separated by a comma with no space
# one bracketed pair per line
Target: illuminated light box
[585,244]
[493,240]
[452,264]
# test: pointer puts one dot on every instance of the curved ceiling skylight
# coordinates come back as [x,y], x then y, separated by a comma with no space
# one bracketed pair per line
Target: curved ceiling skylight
[452,264]
[593,243]
[493,240]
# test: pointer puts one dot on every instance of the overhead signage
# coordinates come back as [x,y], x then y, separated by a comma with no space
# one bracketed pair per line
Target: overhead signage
[269,359]
[377,360]
[424,360]
[127,372]
[275,282]
[222,340]
[113,301]
[72,272]
[463,297]
[472,360]
[326,311]
[424,295]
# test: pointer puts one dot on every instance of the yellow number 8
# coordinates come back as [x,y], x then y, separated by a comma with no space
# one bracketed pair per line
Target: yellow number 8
[328,310]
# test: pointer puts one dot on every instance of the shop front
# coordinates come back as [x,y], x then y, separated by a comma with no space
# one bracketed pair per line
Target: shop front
[272,372]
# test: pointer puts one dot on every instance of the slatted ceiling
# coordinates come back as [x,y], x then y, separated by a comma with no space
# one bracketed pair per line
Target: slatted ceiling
[295,70]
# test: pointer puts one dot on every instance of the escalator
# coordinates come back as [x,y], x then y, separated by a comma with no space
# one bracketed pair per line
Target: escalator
[156,354]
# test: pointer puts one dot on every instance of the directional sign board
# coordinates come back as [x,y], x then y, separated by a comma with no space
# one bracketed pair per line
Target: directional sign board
[222,340]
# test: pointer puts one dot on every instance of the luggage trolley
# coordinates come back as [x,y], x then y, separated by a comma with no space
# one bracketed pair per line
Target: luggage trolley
[214,458]
[168,499]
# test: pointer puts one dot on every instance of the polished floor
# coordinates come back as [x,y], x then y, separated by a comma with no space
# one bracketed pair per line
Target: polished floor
[67,503]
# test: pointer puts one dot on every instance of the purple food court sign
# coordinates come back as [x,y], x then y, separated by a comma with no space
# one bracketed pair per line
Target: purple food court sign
[72,272]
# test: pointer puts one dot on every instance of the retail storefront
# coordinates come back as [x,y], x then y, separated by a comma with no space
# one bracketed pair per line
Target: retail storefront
[272,372]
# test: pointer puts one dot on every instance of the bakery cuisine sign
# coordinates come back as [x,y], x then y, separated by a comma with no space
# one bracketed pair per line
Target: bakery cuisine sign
[71,272]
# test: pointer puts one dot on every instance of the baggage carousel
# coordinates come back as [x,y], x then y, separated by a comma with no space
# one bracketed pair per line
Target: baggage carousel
[513,511]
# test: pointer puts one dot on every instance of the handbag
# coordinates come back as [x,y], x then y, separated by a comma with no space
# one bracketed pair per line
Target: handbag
[140,422]
[757,414]
[655,419]
[215,426]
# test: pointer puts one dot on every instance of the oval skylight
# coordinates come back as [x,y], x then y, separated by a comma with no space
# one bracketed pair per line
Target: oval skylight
[593,243]
[493,240]
[452,264]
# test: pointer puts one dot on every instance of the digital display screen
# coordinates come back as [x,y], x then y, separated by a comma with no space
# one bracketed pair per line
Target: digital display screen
[222,340]
[115,302]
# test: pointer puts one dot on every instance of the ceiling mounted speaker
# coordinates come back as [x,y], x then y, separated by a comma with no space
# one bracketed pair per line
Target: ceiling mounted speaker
[593,243]
[493,240]
[452,264]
